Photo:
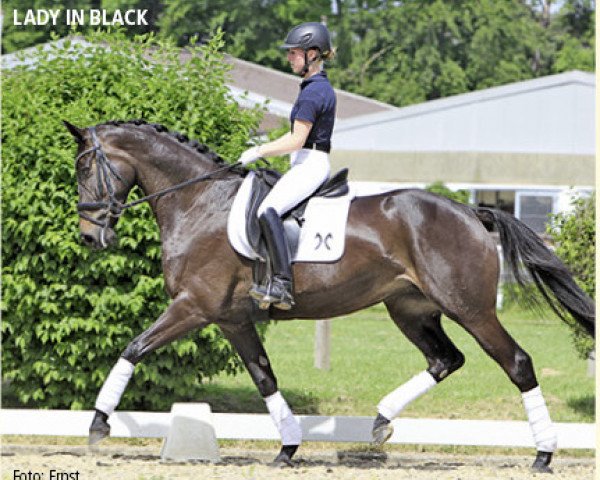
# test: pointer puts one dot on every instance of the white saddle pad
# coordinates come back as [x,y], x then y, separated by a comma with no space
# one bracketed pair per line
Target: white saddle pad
[322,237]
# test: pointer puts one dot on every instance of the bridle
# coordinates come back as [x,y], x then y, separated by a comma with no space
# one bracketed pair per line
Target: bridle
[113,208]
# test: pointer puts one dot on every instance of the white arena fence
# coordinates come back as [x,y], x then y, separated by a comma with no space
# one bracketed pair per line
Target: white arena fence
[237,426]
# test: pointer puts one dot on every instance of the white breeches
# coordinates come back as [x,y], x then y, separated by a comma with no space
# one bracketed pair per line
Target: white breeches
[310,168]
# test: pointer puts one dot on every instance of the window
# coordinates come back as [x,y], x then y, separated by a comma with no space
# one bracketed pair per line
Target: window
[501,199]
[534,209]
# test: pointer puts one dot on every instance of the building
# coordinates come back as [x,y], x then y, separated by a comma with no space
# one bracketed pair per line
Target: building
[527,147]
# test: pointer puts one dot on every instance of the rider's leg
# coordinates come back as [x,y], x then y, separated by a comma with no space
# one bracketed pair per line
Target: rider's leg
[308,173]
[280,291]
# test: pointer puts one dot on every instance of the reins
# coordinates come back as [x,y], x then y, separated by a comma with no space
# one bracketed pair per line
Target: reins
[114,208]
[179,186]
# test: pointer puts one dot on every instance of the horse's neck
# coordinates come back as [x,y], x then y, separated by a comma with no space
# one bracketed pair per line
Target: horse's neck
[193,203]
[156,172]
[161,163]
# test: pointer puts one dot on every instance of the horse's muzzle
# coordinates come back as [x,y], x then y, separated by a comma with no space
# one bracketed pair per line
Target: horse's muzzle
[99,238]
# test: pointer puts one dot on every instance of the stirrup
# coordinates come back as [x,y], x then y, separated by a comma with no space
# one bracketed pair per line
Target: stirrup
[284,302]
[279,294]
[258,294]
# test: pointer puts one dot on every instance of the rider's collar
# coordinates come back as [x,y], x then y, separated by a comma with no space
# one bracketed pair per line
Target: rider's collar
[317,77]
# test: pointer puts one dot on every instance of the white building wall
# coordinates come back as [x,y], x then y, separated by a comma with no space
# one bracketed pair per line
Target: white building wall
[550,115]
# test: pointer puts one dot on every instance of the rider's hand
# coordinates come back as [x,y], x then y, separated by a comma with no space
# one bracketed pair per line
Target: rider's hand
[249,156]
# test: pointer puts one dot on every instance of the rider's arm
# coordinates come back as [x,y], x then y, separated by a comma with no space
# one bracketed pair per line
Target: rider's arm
[288,143]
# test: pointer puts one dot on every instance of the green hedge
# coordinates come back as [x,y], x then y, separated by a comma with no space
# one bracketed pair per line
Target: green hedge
[461,196]
[68,312]
[575,236]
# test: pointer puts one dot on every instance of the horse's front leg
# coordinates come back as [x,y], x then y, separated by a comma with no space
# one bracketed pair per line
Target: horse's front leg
[246,341]
[180,318]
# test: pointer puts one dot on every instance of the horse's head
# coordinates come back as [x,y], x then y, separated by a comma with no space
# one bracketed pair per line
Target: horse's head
[103,182]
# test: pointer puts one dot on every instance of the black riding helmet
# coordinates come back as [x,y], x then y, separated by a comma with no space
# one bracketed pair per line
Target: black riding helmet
[306,36]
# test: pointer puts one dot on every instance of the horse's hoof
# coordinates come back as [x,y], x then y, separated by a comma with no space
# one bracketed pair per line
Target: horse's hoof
[542,462]
[99,429]
[382,430]
[284,459]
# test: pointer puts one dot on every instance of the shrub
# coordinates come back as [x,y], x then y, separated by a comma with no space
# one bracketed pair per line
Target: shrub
[68,312]
[575,236]
[461,196]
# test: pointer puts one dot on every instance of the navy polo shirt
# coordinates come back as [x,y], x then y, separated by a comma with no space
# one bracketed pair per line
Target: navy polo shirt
[316,104]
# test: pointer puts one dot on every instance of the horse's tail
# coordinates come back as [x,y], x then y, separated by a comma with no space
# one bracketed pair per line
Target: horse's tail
[552,278]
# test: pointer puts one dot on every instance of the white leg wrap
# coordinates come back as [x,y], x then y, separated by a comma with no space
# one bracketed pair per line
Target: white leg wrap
[286,423]
[114,386]
[541,425]
[395,402]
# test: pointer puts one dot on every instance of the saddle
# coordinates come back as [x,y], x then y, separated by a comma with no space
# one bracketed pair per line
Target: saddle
[263,182]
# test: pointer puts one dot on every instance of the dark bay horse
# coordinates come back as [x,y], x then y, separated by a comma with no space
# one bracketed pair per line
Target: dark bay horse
[419,253]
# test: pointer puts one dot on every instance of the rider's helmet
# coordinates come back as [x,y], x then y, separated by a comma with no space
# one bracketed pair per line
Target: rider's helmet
[309,35]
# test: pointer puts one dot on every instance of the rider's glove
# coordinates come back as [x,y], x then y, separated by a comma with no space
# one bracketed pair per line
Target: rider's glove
[249,156]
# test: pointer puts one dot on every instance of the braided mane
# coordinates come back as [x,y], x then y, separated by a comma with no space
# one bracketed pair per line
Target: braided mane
[180,137]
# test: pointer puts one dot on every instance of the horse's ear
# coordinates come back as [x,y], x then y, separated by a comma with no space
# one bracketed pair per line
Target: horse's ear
[75,131]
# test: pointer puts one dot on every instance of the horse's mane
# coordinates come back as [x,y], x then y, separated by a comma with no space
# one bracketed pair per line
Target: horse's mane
[180,137]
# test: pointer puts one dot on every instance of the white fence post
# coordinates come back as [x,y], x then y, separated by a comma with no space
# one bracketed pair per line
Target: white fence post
[501,279]
[323,344]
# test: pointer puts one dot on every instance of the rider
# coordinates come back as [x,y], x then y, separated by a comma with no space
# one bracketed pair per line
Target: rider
[308,142]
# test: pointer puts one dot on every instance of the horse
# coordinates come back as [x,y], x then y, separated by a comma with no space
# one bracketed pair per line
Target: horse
[420,254]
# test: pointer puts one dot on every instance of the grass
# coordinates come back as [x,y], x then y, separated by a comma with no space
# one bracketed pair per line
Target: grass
[370,358]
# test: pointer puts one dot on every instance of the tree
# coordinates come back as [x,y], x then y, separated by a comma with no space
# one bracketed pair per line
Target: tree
[68,312]
[253,28]
[576,34]
[397,52]
[575,236]
[17,37]
[416,51]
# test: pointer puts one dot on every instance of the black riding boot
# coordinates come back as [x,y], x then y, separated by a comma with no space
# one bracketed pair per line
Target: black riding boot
[279,291]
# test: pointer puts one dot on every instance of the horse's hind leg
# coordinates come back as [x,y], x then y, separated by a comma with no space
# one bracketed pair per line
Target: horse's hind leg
[179,319]
[419,320]
[250,348]
[517,364]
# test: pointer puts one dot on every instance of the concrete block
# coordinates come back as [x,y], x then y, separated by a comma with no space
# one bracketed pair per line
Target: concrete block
[191,434]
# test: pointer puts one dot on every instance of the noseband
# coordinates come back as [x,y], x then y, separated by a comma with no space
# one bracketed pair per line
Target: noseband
[113,208]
